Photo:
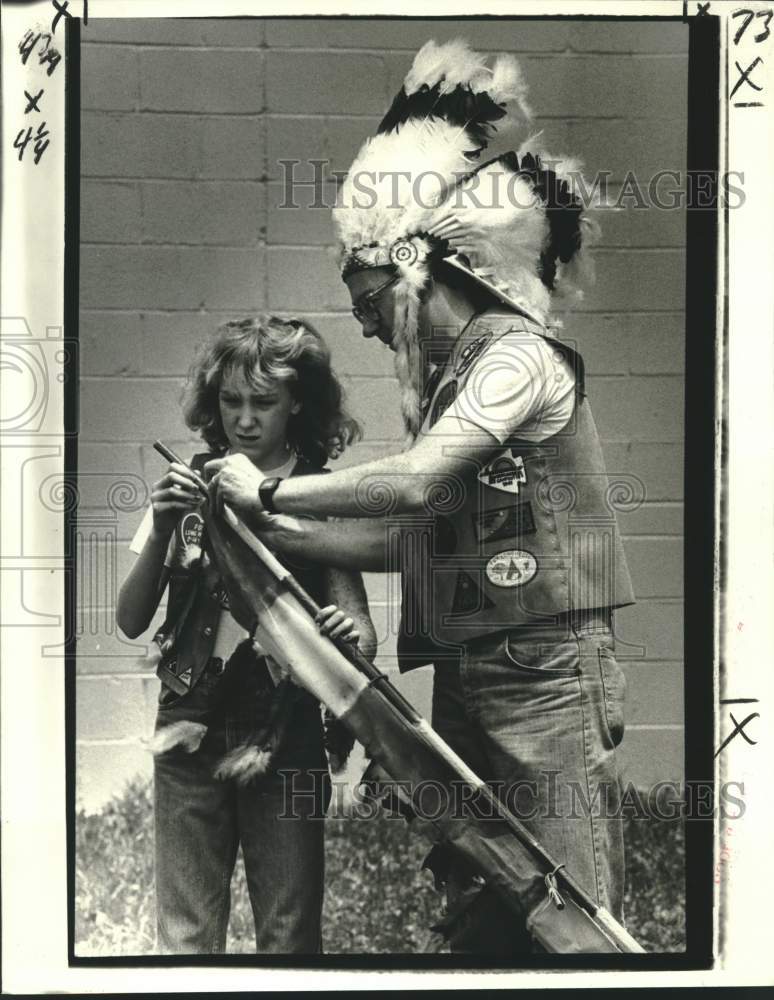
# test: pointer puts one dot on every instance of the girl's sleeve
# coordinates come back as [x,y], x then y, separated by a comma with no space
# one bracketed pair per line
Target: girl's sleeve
[140,537]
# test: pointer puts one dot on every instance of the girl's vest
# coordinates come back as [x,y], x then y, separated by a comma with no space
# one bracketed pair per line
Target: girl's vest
[196,596]
[523,537]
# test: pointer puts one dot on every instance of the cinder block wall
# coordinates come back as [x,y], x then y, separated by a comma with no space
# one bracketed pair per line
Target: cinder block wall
[183,127]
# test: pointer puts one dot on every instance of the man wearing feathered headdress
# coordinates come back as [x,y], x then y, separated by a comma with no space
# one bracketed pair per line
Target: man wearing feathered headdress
[509,552]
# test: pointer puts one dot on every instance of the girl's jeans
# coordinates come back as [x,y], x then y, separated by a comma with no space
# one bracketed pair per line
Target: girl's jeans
[539,714]
[200,821]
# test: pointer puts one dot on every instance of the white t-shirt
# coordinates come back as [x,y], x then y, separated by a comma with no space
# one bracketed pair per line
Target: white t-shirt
[519,384]
[230,633]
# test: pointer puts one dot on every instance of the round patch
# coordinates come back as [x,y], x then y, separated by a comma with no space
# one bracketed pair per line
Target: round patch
[511,568]
[191,529]
[404,252]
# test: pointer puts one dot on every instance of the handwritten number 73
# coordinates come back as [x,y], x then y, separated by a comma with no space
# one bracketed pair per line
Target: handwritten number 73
[749,16]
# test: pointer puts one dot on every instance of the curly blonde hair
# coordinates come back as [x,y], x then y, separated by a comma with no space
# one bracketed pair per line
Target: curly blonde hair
[265,349]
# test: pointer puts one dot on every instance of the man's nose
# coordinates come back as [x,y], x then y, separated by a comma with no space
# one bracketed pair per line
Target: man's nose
[370,328]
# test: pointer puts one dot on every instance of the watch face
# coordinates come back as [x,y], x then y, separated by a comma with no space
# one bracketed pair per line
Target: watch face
[511,568]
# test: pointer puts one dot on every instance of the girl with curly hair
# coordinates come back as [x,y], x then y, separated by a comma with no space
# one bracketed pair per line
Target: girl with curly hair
[239,751]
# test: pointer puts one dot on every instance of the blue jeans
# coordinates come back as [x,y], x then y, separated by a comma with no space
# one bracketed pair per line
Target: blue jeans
[200,821]
[539,713]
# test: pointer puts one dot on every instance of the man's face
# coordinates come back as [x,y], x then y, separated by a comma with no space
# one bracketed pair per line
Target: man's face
[379,310]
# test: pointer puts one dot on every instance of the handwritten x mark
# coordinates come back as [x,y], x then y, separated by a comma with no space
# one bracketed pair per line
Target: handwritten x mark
[745,75]
[33,102]
[738,730]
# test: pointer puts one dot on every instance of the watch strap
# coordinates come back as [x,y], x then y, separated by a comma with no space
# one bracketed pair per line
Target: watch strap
[266,493]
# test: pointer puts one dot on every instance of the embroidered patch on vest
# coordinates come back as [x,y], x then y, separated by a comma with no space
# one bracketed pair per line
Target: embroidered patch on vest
[511,568]
[446,397]
[468,596]
[504,522]
[191,528]
[189,540]
[469,355]
[185,677]
[504,473]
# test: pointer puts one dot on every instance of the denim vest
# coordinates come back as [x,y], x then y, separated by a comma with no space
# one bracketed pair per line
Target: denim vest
[194,606]
[527,535]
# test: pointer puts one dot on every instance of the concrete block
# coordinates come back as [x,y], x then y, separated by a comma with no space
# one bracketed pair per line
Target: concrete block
[104,770]
[637,408]
[376,404]
[656,566]
[229,213]
[243,32]
[110,708]
[322,82]
[108,651]
[232,148]
[110,212]
[642,227]
[351,353]
[655,625]
[654,693]
[636,280]
[109,78]
[321,288]
[296,218]
[131,410]
[583,86]
[113,459]
[619,35]
[628,343]
[294,137]
[658,465]
[110,343]
[170,278]
[171,146]
[648,756]
[640,149]
[496,35]
[207,81]
[170,339]
[652,519]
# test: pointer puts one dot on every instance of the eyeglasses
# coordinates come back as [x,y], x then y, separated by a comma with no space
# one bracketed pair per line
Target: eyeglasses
[365,307]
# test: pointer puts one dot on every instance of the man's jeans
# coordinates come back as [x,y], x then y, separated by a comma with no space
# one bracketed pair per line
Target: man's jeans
[539,713]
[200,822]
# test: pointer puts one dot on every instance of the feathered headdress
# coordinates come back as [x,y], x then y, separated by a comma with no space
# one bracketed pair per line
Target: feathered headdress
[415,195]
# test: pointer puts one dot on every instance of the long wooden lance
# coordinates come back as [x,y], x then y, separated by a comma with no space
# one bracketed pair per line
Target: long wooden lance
[266,599]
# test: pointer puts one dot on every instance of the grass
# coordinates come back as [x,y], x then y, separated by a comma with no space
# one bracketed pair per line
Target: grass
[377,901]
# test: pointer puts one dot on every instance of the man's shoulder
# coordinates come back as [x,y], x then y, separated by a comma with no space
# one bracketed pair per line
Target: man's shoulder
[501,321]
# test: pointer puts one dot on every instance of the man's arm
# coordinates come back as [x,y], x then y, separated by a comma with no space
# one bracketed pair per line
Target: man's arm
[349,545]
[397,484]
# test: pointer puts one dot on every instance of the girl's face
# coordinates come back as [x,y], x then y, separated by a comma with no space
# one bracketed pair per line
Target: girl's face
[256,421]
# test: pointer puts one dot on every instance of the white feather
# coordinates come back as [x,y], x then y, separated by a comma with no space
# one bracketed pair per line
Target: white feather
[183,735]
[454,63]
[508,84]
[243,764]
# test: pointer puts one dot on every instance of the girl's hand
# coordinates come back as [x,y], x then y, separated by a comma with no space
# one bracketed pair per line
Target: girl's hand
[334,623]
[172,496]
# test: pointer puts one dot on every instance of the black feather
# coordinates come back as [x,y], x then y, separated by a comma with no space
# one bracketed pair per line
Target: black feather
[476,113]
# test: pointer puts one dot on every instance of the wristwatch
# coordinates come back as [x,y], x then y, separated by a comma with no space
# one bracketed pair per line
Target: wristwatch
[266,493]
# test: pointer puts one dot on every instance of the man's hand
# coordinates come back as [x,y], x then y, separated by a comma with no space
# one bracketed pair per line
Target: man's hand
[234,480]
